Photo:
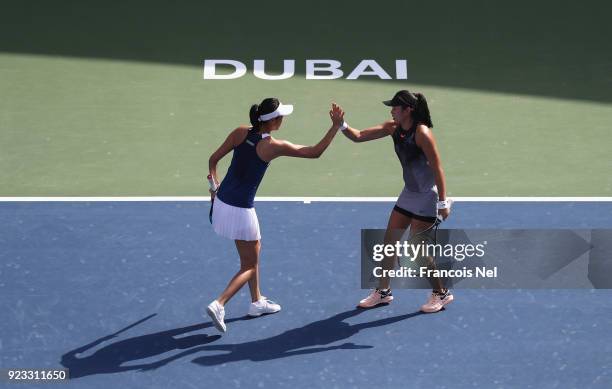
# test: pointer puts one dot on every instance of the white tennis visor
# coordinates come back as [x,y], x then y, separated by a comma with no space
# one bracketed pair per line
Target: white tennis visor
[282,110]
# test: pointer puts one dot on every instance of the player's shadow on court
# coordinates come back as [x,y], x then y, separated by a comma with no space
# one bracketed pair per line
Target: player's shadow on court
[312,338]
[110,358]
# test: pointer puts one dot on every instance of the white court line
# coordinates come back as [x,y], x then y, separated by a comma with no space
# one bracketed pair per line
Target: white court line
[306,200]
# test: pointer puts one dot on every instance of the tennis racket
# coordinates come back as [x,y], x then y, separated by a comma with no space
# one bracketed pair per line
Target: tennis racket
[213,187]
[428,236]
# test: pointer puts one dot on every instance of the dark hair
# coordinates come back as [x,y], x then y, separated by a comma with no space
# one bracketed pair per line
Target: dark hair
[267,105]
[421,111]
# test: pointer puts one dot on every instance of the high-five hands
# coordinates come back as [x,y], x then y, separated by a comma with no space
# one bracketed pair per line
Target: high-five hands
[336,114]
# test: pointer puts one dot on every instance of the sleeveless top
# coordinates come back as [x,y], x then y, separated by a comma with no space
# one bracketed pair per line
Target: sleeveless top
[418,175]
[245,173]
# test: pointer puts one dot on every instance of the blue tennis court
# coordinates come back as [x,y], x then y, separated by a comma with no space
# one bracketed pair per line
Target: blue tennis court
[115,292]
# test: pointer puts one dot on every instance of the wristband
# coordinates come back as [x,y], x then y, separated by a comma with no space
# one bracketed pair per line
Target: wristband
[212,184]
[443,204]
[344,126]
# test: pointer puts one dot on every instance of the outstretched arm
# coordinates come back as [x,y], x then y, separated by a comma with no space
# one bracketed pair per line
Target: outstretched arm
[371,133]
[277,148]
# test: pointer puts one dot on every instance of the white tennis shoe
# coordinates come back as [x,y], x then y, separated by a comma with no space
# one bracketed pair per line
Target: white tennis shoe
[263,306]
[437,301]
[217,314]
[377,297]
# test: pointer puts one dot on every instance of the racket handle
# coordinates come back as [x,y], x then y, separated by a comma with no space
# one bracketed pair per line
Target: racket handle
[211,183]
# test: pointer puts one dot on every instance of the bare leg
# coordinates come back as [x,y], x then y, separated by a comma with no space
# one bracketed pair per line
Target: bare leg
[417,226]
[254,280]
[395,229]
[249,260]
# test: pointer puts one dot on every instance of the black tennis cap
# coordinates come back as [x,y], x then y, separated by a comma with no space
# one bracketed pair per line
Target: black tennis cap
[402,98]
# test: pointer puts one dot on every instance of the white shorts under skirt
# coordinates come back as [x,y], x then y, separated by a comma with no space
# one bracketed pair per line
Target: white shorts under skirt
[234,222]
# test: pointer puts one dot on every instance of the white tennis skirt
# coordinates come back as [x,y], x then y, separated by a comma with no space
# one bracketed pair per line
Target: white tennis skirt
[234,222]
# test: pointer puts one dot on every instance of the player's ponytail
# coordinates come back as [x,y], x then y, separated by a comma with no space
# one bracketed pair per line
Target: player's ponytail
[421,111]
[267,106]
[254,116]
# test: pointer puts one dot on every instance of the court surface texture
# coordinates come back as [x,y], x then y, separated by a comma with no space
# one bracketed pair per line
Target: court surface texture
[115,292]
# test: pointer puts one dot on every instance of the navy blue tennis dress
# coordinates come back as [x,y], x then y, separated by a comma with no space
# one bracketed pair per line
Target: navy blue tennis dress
[420,195]
[234,216]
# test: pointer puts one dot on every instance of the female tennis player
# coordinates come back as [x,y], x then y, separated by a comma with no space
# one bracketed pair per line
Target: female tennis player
[424,195]
[233,214]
